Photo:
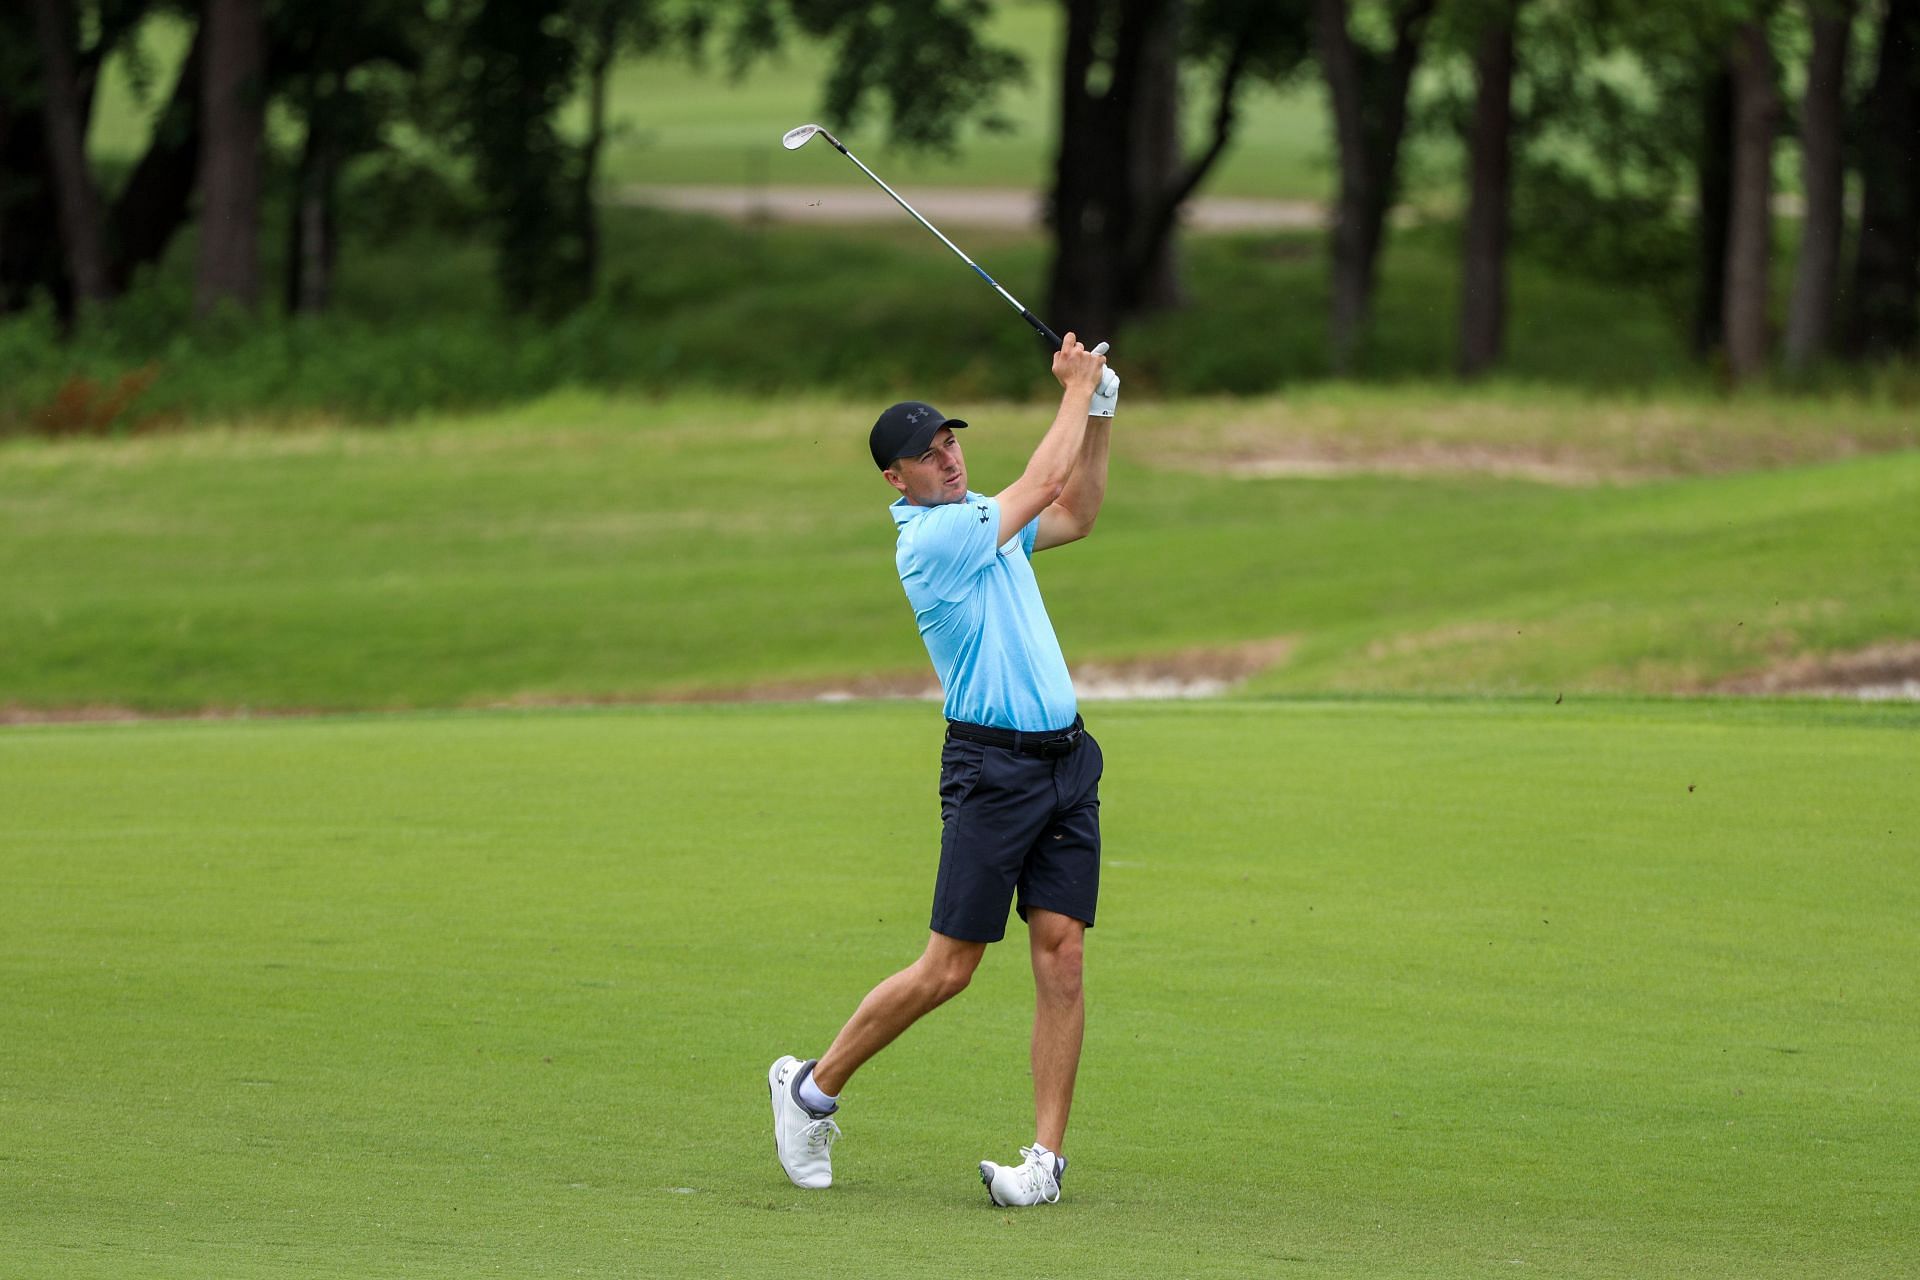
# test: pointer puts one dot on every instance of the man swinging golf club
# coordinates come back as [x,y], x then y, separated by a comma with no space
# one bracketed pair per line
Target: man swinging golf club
[1019,776]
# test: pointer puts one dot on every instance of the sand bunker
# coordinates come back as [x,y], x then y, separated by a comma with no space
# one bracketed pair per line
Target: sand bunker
[1878,673]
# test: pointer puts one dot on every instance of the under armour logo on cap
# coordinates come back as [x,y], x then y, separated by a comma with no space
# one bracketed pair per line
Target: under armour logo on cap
[906,430]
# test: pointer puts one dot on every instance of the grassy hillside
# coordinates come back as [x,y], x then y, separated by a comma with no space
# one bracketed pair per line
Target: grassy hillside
[593,548]
[1377,991]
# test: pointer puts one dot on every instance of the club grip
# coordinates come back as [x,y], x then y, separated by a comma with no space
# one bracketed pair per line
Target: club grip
[1040,327]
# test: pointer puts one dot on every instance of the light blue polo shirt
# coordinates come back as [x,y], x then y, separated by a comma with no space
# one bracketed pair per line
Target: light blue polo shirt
[978,607]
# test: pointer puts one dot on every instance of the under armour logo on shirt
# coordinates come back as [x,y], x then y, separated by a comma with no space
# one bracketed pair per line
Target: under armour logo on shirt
[984,513]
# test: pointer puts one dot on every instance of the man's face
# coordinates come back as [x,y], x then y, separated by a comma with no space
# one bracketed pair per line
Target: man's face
[935,477]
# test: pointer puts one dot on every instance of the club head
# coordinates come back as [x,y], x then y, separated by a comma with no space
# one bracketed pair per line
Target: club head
[798,136]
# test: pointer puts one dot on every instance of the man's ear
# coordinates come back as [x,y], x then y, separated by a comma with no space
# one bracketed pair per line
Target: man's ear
[894,479]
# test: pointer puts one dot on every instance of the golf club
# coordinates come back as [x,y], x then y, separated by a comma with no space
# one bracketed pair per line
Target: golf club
[800,135]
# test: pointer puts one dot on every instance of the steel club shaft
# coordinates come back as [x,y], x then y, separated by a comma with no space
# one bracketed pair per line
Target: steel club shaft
[799,136]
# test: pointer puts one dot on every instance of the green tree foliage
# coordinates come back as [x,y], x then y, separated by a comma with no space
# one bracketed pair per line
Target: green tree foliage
[348,70]
[518,67]
[513,66]
[926,63]
[1122,173]
[1612,111]
[468,111]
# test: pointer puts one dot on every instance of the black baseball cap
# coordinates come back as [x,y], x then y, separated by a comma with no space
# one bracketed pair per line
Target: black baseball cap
[905,430]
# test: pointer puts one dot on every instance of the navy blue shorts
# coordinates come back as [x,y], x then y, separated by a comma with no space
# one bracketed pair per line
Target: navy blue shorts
[1014,822]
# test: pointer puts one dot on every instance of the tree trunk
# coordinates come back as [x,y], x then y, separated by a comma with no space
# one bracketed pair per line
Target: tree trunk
[1119,179]
[1089,205]
[526,64]
[312,238]
[30,254]
[1352,256]
[1369,95]
[1822,154]
[75,195]
[1713,175]
[1756,119]
[1885,312]
[1155,162]
[154,203]
[1483,288]
[231,136]
[599,69]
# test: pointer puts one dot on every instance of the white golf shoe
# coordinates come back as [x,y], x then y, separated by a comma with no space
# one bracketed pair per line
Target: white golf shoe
[1035,1182]
[802,1138]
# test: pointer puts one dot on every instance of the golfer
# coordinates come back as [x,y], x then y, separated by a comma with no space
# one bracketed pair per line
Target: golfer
[1019,776]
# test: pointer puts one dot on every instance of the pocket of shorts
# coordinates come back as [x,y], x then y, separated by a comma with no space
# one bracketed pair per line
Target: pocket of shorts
[961,764]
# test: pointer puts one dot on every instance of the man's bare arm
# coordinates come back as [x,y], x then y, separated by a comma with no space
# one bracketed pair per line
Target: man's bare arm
[1071,516]
[1059,455]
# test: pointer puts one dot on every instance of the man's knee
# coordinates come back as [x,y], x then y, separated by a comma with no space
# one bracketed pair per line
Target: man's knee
[947,969]
[951,981]
[1058,964]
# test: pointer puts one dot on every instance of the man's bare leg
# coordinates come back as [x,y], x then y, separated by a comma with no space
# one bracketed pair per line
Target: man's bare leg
[1059,1019]
[941,973]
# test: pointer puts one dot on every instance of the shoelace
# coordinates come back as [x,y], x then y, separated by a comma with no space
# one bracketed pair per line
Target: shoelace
[819,1135]
[1037,1176]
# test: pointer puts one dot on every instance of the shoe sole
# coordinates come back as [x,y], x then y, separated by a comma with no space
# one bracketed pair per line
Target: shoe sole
[773,1101]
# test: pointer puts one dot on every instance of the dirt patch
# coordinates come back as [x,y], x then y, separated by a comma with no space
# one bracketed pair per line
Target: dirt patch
[889,684]
[1547,440]
[1183,673]
[1314,444]
[1881,672]
[1323,459]
[1455,636]
[112,713]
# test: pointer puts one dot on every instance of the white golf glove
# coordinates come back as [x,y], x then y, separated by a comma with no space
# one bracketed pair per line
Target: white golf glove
[1105,396]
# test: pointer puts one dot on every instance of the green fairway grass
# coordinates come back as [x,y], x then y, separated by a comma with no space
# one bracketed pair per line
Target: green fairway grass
[1387,989]
[588,548]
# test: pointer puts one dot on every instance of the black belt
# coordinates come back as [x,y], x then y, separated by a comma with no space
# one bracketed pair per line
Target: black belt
[1050,745]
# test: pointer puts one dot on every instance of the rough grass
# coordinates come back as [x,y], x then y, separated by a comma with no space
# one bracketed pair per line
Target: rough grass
[589,548]
[1378,990]
[691,303]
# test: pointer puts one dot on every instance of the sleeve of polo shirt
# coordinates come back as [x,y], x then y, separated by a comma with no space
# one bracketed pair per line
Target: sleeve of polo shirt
[1028,534]
[952,543]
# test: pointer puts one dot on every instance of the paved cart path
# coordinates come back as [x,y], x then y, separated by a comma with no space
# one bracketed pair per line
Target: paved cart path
[948,206]
[990,206]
